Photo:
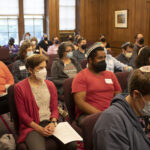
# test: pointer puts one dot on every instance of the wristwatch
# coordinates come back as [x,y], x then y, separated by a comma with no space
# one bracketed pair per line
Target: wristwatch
[54,122]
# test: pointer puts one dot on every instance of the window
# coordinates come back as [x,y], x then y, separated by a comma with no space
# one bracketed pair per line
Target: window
[33,19]
[8,28]
[9,21]
[34,25]
[67,14]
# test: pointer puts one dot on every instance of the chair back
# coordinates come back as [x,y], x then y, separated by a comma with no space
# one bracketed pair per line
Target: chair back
[4,55]
[87,130]
[123,80]
[68,98]
[12,107]
[84,64]
[51,57]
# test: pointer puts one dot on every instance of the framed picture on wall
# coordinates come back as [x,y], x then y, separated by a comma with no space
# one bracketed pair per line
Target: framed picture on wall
[121,18]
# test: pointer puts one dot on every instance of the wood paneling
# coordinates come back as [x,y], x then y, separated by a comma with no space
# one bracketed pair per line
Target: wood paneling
[21,20]
[138,21]
[88,17]
[52,18]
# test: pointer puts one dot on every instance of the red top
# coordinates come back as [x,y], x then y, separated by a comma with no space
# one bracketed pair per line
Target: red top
[5,77]
[99,89]
[27,107]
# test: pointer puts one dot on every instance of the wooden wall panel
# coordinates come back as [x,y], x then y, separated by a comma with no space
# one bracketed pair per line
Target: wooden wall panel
[88,24]
[52,18]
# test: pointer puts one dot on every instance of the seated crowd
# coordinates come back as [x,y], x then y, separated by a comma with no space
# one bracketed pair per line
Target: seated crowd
[124,122]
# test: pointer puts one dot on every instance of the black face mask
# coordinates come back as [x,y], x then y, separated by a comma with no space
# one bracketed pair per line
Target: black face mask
[56,42]
[45,38]
[100,66]
[70,39]
[141,41]
[103,39]
[83,46]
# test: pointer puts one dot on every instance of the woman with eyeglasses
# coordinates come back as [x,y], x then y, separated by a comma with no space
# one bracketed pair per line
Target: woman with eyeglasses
[64,67]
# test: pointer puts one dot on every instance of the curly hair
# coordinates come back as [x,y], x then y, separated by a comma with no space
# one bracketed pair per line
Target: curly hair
[143,59]
[62,48]
[23,49]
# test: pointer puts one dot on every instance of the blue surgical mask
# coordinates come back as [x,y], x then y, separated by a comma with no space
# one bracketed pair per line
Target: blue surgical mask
[69,54]
[29,53]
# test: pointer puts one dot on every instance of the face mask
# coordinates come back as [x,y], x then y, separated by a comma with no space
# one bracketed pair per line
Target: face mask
[11,43]
[105,50]
[41,75]
[83,46]
[29,53]
[56,42]
[141,41]
[103,39]
[70,39]
[34,42]
[27,38]
[100,66]
[146,109]
[128,55]
[69,54]
[45,38]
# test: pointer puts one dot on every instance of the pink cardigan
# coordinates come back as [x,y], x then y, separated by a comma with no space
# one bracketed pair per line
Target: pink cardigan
[27,107]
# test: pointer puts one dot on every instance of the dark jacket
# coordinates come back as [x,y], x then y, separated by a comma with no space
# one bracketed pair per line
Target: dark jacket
[130,62]
[57,71]
[118,128]
[43,45]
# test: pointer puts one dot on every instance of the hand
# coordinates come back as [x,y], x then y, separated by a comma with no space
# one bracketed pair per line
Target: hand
[50,127]
[45,132]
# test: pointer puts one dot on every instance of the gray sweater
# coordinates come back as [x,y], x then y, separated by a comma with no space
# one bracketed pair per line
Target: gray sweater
[118,128]
[57,71]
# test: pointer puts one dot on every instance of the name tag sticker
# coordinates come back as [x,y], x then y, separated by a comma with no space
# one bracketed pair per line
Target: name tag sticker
[22,67]
[108,81]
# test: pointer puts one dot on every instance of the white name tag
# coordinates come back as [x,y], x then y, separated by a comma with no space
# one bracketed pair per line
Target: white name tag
[108,81]
[22,67]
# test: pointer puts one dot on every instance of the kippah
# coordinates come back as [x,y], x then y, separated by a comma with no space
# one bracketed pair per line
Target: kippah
[93,47]
[145,69]
[125,44]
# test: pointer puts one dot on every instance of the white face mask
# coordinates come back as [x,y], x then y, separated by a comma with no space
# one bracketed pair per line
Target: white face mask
[41,75]
[128,55]
[34,42]
[146,109]
[29,53]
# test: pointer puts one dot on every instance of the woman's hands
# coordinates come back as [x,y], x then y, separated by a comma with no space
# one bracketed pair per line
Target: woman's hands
[48,130]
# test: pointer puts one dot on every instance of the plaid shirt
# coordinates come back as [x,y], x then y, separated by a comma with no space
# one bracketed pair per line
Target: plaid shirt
[19,71]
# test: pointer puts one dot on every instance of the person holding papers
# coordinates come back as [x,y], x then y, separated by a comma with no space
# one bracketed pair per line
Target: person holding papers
[36,103]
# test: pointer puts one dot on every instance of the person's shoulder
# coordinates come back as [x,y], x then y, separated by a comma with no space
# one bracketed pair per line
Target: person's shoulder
[22,83]
[50,84]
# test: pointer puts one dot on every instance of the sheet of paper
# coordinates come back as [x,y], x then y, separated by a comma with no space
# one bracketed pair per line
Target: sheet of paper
[65,133]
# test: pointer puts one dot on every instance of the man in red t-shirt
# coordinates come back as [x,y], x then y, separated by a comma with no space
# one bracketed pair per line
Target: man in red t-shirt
[94,87]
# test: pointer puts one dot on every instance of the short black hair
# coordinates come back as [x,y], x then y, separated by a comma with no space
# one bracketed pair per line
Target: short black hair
[80,39]
[62,48]
[143,58]
[93,53]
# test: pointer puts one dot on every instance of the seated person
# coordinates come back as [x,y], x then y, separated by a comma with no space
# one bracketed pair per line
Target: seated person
[26,37]
[36,102]
[143,58]
[54,48]
[94,87]
[6,79]
[112,64]
[65,67]
[80,53]
[45,43]
[125,124]
[13,48]
[19,70]
[126,55]
[103,41]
